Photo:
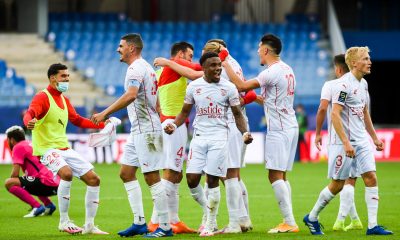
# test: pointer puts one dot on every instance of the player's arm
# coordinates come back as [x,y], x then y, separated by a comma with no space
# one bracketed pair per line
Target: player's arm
[249,97]
[337,124]
[241,124]
[180,119]
[127,98]
[37,109]
[181,70]
[320,118]
[259,100]
[242,86]
[15,171]
[371,130]
[78,120]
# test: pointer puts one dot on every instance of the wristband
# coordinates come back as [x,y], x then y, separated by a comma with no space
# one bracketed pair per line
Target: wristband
[173,124]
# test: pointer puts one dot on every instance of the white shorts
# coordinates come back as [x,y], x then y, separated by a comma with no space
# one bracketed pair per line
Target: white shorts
[55,159]
[145,151]
[280,149]
[341,167]
[210,156]
[174,146]
[236,146]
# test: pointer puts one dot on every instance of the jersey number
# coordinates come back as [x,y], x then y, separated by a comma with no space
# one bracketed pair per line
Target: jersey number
[290,88]
[180,152]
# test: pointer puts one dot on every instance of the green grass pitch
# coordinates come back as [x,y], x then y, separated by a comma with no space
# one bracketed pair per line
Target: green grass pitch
[114,213]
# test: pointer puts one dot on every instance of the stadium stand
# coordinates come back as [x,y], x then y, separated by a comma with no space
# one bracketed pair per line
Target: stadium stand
[90,41]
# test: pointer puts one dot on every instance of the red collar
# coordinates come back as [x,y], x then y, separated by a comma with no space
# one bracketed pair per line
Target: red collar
[53,91]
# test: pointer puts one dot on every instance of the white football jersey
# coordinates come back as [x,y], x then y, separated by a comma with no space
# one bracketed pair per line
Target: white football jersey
[278,83]
[352,94]
[142,112]
[224,76]
[211,101]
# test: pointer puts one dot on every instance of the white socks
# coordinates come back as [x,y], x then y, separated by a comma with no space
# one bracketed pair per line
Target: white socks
[135,201]
[244,201]
[172,191]
[324,198]
[63,195]
[199,196]
[283,198]
[346,201]
[214,197]
[372,200]
[91,203]
[160,203]
[232,188]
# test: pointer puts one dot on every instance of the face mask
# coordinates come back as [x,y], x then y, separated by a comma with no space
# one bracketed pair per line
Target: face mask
[62,86]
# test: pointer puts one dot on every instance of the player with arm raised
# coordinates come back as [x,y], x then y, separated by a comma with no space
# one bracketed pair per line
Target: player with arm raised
[278,83]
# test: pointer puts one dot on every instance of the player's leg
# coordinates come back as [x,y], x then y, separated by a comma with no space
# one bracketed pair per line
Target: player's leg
[339,167]
[16,186]
[355,223]
[216,167]
[366,163]
[149,147]
[194,168]
[231,181]
[347,206]
[55,161]
[174,152]
[278,161]
[83,169]
[233,196]
[129,166]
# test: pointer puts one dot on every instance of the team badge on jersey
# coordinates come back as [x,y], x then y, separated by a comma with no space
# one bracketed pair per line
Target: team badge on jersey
[223,92]
[342,96]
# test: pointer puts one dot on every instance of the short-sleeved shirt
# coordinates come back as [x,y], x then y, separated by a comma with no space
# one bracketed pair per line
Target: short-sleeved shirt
[326,94]
[142,112]
[31,166]
[278,83]
[352,94]
[212,101]
[224,76]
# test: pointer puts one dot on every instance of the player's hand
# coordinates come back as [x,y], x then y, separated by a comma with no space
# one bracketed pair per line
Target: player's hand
[350,152]
[379,145]
[223,54]
[97,118]
[169,129]
[160,62]
[247,138]
[318,141]
[242,103]
[31,124]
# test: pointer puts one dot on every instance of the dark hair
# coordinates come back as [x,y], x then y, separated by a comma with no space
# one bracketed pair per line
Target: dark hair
[340,61]
[273,41]
[54,68]
[135,39]
[180,46]
[206,56]
[217,40]
[16,132]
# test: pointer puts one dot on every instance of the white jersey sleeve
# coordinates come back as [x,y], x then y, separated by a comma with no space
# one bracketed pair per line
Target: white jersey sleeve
[326,92]
[340,93]
[233,96]
[189,95]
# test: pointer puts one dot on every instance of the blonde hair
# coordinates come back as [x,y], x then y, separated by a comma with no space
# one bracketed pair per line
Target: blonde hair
[353,54]
[212,47]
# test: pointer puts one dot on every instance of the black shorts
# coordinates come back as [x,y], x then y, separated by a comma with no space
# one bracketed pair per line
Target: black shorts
[35,187]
